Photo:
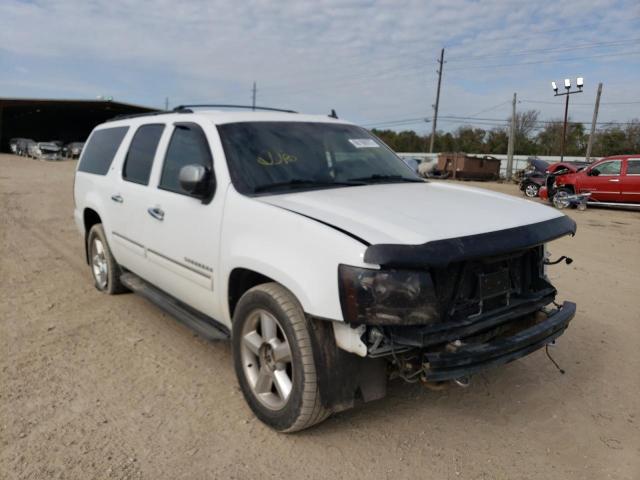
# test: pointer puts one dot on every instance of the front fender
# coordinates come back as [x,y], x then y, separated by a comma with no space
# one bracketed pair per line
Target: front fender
[296,251]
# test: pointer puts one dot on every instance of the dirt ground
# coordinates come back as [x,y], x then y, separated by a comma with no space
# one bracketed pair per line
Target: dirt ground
[96,386]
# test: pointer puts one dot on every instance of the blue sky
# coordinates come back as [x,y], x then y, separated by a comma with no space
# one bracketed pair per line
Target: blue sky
[374,61]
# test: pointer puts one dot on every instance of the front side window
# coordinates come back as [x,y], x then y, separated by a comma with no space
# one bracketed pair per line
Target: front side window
[633,166]
[281,156]
[188,146]
[609,168]
[102,147]
[137,165]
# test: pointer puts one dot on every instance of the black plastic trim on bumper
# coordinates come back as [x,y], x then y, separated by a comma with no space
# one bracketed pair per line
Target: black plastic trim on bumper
[429,335]
[441,253]
[471,359]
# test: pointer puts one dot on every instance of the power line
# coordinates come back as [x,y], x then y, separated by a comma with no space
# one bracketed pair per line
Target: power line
[565,28]
[632,102]
[503,54]
[557,60]
[480,121]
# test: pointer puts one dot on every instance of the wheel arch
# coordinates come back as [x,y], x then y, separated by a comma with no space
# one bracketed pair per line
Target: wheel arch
[90,218]
[240,280]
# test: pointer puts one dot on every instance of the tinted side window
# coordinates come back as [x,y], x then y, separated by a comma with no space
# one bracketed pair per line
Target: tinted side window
[609,168]
[188,146]
[137,166]
[633,167]
[98,153]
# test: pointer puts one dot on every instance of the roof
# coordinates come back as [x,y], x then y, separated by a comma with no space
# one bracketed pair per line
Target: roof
[26,102]
[220,117]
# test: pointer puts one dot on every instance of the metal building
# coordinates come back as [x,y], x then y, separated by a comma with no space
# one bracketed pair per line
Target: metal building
[52,119]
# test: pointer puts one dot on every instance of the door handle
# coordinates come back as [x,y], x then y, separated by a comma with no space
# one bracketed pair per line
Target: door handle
[117,198]
[156,213]
[614,179]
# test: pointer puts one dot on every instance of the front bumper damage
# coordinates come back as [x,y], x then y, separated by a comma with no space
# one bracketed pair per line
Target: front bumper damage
[492,303]
[469,353]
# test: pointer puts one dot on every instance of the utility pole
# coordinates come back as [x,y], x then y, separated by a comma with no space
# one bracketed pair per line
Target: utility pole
[568,91]
[593,122]
[564,128]
[512,139]
[253,102]
[435,107]
[166,103]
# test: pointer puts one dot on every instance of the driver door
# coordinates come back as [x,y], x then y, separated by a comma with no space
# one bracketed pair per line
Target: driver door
[183,231]
[603,181]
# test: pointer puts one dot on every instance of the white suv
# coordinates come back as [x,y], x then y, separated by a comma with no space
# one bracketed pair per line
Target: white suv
[330,265]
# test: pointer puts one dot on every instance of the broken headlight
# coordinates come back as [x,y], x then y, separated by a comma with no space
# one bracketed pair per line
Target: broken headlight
[387,297]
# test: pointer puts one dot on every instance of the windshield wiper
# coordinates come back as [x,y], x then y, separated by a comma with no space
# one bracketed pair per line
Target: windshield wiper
[299,182]
[376,178]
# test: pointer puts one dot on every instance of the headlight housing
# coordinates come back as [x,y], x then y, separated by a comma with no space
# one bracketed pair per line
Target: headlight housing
[387,297]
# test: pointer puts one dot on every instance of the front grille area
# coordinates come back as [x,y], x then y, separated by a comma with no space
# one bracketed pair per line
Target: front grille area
[474,288]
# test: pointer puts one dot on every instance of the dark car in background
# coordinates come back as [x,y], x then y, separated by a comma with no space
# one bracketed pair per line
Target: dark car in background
[533,177]
[13,145]
[23,145]
[72,150]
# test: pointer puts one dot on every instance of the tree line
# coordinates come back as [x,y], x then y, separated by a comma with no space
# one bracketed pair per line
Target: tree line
[532,137]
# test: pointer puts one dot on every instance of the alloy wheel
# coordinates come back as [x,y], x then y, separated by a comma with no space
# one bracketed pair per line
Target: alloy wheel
[266,359]
[99,264]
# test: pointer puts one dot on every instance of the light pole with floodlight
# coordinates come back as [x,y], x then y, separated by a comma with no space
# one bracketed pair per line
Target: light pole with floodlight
[567,86]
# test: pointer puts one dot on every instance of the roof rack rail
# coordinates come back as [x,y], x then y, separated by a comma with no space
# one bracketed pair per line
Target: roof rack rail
[188,108]
[124,116]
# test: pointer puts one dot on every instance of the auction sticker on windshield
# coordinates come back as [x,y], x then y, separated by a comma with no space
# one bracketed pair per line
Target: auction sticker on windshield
[363,143]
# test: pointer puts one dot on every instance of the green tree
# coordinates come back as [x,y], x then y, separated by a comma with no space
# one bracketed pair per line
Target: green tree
[469,139]
[497,141]
[549,140]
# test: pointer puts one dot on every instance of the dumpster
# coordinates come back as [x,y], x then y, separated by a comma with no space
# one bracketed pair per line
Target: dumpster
[468,167]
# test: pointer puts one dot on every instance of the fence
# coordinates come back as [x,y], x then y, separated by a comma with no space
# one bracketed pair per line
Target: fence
[519,161]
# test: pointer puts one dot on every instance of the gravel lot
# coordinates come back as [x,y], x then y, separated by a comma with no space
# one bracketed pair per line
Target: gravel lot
[93,386]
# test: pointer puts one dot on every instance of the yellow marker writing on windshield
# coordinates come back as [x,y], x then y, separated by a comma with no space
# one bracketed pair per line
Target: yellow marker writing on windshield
[280,158]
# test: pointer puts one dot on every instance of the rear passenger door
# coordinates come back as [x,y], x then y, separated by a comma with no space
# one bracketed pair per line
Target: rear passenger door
[183,232]
[630,181]
[129,198]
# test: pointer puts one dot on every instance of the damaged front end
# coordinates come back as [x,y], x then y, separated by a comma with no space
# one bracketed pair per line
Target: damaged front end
[448,309]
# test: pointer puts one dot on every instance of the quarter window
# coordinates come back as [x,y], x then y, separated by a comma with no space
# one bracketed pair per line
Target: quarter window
[609,168]
[188,146]
[633,167]
[137,166]
[102,147]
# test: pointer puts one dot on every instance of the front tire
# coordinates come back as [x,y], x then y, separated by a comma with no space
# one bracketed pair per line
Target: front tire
[560,198]
[274,361]
[104,268]
[531,190]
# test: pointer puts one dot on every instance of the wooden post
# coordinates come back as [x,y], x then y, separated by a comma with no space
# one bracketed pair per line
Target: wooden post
[435,107]
[512,134]
[593,122]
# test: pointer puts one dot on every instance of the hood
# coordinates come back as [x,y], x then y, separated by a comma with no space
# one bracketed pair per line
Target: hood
[413,213]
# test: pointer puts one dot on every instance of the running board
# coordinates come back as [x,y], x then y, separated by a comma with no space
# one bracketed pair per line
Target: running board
[627,206]
[203,325]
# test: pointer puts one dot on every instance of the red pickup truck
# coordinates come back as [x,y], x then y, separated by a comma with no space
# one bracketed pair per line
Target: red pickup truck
[610,180]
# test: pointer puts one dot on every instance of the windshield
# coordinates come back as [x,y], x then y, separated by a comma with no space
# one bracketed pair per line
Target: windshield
[277,157]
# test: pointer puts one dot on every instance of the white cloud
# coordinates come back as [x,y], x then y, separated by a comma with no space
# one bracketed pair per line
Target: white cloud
[372,60]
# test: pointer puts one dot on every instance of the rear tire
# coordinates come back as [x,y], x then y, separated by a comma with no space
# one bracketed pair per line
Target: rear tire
[104,268]
[274,361]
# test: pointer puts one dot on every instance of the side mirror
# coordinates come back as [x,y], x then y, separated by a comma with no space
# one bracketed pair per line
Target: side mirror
[196,180]
[594,172]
